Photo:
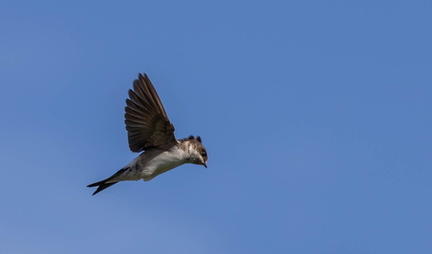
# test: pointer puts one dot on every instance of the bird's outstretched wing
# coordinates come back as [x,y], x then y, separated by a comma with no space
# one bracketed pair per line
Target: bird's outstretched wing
[146,121]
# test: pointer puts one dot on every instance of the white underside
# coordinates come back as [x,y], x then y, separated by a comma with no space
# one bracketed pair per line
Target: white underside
[162,163]
[149,165]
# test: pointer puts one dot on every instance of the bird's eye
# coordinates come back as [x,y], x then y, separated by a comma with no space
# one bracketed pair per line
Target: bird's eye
[203,153]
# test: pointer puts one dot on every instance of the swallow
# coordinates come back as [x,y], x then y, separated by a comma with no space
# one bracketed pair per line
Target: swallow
[151,132]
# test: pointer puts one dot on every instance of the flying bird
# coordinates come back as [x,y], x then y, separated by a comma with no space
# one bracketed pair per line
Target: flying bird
[151,132]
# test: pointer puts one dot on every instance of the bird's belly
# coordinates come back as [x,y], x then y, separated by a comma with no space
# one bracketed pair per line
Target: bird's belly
[161,164]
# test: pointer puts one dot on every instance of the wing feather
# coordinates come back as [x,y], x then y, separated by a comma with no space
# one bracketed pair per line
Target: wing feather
[146,120]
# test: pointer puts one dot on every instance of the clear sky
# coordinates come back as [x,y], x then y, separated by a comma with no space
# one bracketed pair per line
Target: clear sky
[316,116]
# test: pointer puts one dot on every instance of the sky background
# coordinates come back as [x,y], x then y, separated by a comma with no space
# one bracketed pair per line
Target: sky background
[316,116]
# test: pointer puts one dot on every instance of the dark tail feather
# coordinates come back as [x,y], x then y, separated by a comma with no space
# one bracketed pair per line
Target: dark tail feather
[102,185]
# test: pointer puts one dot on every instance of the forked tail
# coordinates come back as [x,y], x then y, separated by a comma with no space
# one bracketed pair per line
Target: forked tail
[102,185]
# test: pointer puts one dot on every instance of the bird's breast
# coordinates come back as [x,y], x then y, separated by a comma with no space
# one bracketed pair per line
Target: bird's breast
[163,162]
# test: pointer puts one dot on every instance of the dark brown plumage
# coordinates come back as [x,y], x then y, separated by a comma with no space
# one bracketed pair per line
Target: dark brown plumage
[146,121]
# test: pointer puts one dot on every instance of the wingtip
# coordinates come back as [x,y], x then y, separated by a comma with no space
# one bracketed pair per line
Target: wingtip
[142,75]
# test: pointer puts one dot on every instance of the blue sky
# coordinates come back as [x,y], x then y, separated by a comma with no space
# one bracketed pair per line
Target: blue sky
[316,116]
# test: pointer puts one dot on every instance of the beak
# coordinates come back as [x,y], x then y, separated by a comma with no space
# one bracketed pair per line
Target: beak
[205,165]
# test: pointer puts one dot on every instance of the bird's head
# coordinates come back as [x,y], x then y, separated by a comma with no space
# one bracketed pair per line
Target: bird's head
[198,151]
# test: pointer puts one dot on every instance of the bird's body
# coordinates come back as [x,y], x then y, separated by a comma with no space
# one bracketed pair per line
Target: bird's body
[150,130]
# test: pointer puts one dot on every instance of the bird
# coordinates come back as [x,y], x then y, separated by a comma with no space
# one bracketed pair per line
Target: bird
[150,131]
